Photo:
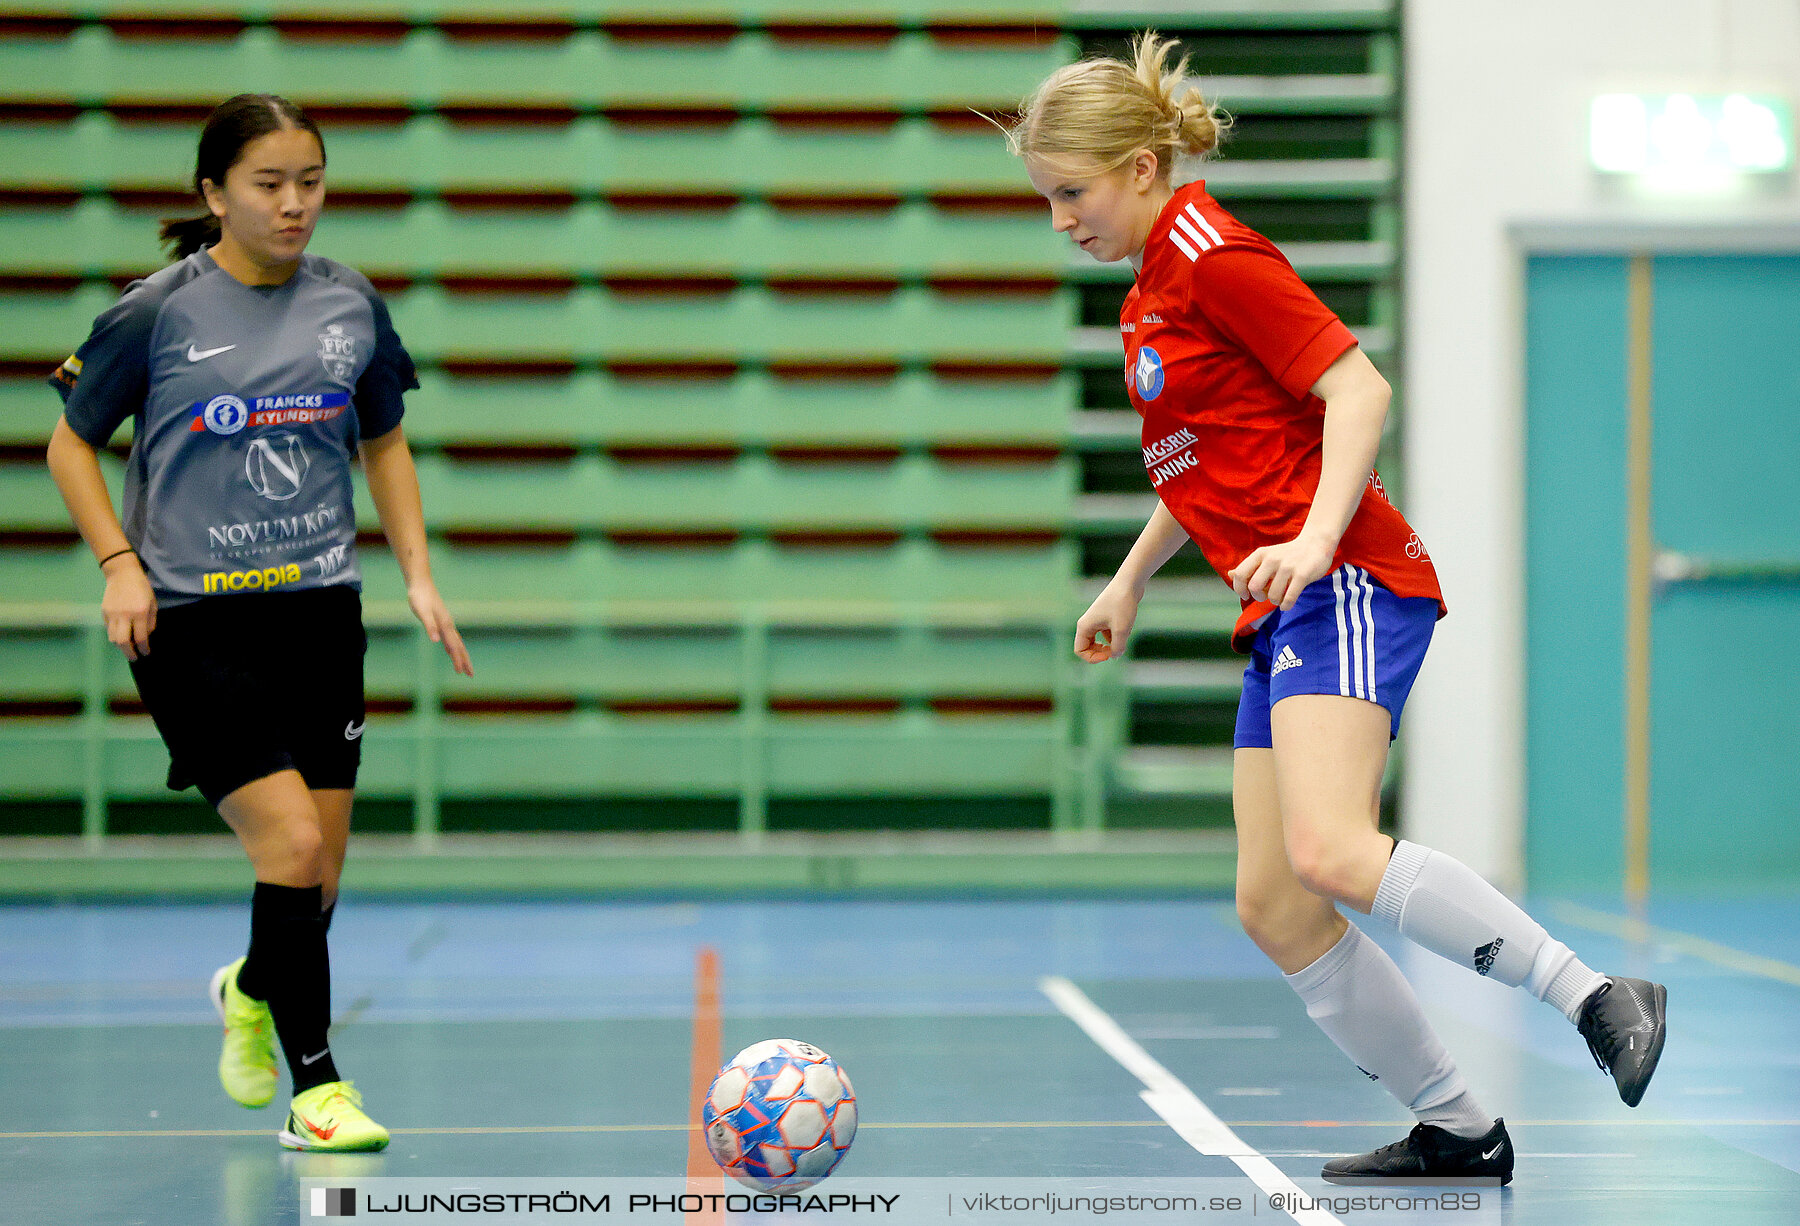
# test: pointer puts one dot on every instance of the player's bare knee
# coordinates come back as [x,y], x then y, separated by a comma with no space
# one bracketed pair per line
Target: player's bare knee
[297,844]
[1254,912]
[1322,866]
[1277,919]
[1270,929]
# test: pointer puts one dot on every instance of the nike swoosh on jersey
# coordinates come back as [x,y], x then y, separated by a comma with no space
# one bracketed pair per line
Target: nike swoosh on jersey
[200,355]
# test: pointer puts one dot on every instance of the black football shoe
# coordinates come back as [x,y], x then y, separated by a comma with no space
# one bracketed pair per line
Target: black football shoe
[1623,1025]
[1429,1154]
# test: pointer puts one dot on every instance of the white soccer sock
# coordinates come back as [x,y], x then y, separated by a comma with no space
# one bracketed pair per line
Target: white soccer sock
[1363,1003]
[1445,906]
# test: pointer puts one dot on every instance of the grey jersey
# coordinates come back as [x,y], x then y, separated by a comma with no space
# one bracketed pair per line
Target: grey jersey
[248,404]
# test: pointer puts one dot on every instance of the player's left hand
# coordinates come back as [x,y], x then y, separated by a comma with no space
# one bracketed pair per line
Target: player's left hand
[1279,573]
[429,608]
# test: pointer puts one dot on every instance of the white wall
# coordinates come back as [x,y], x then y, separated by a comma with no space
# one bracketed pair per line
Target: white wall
[1496,101]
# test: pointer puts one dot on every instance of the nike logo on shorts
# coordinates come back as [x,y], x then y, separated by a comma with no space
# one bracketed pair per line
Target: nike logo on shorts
[316,1057]
[200,355]
[352,731]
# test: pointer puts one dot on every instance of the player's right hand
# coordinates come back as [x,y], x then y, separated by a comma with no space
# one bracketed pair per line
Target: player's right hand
[129,606]
[1101,632]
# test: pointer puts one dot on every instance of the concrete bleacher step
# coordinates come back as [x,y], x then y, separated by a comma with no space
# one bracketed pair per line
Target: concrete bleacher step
[1324,260]
[1174,771]
[1123,513]
[1233,14]
[1200,605]
[1185,680]
[1098,345]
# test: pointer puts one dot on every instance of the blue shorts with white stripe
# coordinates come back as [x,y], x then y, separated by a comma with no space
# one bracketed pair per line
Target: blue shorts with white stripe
[1345,635]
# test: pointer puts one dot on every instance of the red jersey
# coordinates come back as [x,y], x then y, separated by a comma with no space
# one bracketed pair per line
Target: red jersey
[1223,343]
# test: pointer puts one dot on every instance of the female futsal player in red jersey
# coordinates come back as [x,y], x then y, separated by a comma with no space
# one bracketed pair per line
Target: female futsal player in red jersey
[1261,420]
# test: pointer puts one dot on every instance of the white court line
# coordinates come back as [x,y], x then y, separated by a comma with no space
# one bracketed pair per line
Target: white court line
[1629,928]
[1327,1153]
[1170,1098]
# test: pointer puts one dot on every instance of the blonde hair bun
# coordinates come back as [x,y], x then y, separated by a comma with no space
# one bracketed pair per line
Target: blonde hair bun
[1106,110]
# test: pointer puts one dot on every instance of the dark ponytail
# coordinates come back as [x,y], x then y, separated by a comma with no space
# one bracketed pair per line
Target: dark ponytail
[186,235]
[233,124]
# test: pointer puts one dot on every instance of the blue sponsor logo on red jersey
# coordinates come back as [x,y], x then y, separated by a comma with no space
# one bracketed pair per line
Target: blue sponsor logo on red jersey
[1148,373]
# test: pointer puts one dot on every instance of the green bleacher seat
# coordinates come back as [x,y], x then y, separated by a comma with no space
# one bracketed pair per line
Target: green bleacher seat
[579,757]
[590,239]
[632,665]
[588,156]
[425,69]
[750,368]
[912,409]
[625,652]
[593,324]
[751,72]
[755,569]
[1029,14]
[752,494]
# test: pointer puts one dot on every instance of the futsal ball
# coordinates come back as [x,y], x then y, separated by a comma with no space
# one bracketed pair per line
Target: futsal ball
[780,1115]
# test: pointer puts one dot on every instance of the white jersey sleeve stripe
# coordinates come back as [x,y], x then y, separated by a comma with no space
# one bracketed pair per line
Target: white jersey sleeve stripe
[1204,224]
[1180,242]
[1187,227]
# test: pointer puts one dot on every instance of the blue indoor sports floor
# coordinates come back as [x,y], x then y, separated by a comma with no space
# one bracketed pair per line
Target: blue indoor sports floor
[553,1039]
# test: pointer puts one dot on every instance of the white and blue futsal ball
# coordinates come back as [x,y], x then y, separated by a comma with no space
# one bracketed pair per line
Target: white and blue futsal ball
[780,1115]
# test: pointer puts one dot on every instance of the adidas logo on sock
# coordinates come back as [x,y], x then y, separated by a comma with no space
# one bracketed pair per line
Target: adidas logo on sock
[1285,660]
[1485,955]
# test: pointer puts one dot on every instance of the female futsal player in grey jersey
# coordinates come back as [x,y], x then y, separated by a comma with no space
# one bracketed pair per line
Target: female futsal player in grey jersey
[252,373]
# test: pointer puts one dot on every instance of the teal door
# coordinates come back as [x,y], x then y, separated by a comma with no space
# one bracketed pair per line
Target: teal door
[1718,339]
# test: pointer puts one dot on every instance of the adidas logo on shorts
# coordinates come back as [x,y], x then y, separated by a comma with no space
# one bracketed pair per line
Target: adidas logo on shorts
[1284,660]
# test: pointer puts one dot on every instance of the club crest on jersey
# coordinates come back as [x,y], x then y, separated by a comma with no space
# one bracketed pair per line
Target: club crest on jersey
[1148,373]
[338,351]
[276,465]
[225,414]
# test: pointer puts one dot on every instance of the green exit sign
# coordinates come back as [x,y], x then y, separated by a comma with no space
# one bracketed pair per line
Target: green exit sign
[1638,133]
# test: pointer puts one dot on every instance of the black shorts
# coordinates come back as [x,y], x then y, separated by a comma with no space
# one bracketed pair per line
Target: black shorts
[242,686]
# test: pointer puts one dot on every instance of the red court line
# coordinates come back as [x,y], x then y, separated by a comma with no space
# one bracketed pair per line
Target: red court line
[703,1174]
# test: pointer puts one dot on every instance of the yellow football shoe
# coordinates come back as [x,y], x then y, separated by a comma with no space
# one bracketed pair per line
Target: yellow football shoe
[329,1118]
[247,1061]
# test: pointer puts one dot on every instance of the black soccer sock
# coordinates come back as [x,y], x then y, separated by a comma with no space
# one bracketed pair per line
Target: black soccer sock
[254,978]
[287,940]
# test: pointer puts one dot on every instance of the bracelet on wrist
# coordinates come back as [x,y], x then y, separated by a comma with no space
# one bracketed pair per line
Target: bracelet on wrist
[119,554]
